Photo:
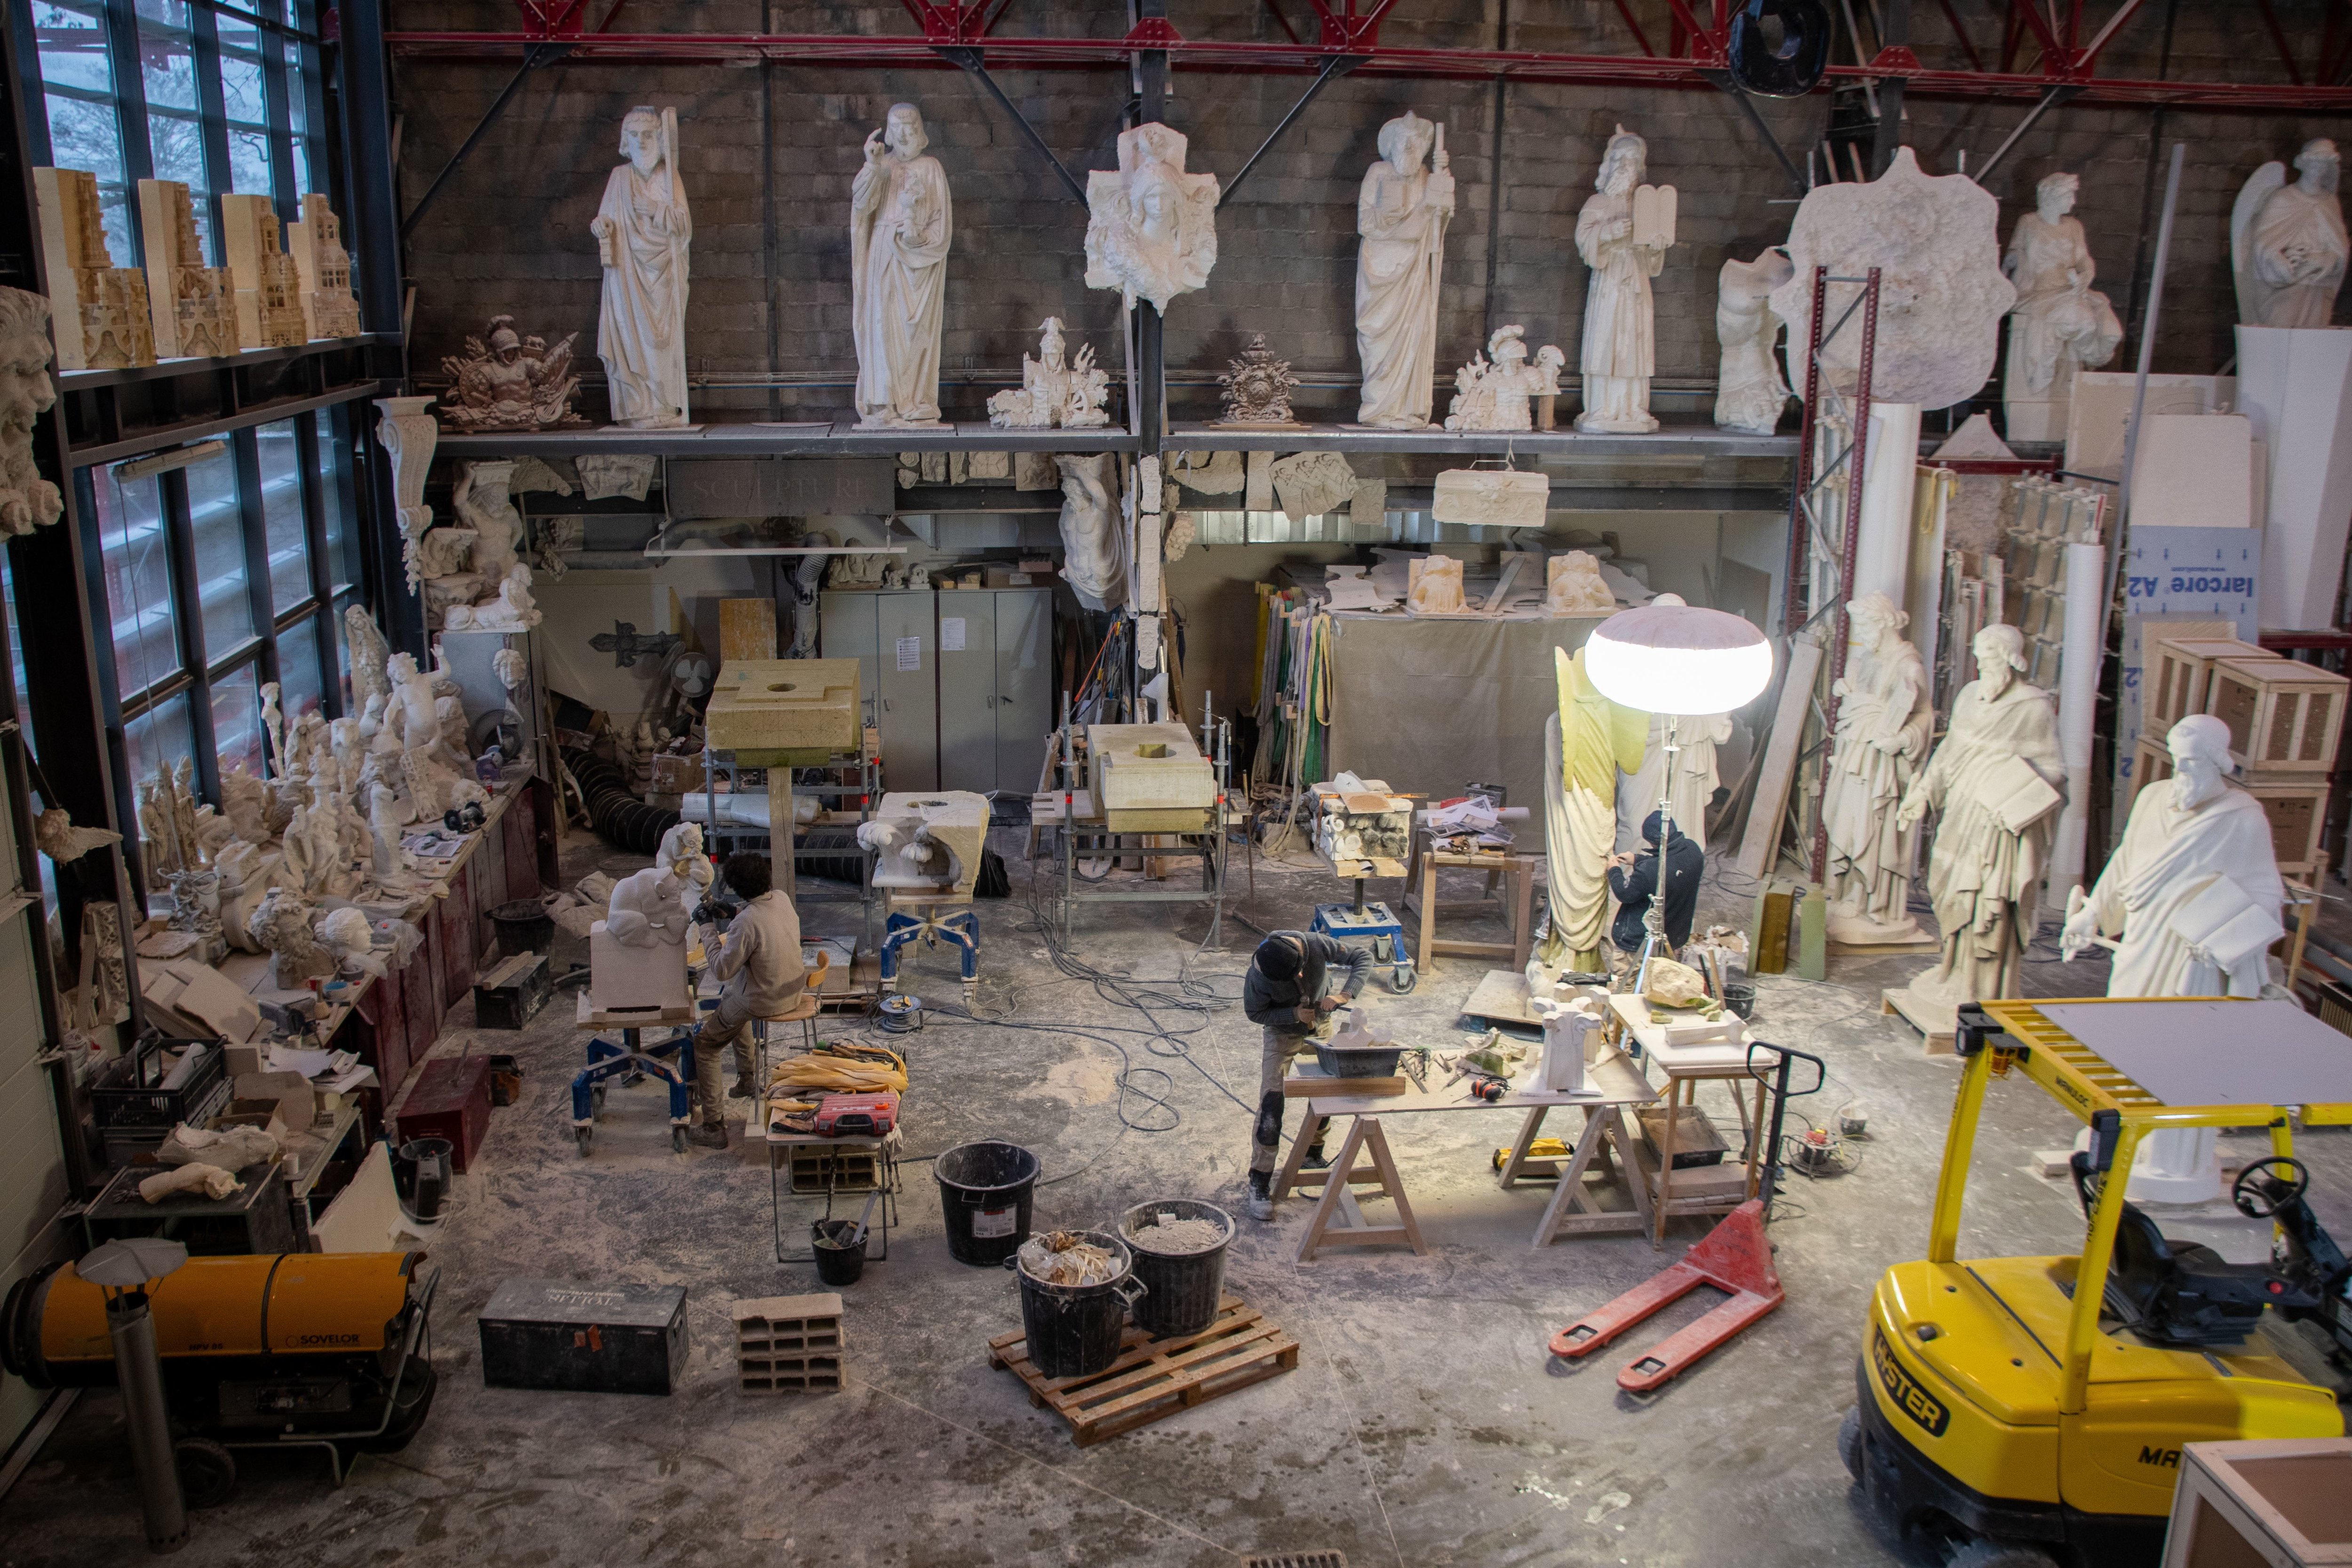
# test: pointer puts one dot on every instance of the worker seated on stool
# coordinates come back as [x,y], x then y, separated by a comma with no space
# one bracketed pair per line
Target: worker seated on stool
[1633,878]
[1288,992]
[759,960]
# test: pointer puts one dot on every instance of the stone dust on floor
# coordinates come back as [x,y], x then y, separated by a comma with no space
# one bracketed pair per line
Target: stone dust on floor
[1426,1423]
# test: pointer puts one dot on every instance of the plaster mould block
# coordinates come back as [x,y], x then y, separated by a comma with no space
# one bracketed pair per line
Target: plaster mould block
[2194,470]
[1124,779]
[784,705]
[629,978]
[956,818]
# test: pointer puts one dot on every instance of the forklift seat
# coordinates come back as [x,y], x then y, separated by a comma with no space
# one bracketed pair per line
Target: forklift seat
[2184,1293]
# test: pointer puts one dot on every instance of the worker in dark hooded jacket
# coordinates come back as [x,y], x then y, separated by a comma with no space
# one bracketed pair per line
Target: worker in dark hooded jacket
[1288,992]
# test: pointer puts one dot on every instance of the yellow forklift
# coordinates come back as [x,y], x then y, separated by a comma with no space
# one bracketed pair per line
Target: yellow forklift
[2036,1424]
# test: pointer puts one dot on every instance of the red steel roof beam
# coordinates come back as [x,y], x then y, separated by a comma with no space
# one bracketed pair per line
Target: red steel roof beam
[1643,38]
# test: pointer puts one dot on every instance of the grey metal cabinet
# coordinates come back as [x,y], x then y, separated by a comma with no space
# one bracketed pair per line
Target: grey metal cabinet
[962,680]
[891,634]
[996,699]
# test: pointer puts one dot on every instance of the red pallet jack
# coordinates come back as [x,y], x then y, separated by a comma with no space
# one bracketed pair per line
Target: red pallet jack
[1736,1258]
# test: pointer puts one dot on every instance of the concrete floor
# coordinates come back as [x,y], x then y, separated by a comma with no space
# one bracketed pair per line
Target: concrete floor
[1425,1422]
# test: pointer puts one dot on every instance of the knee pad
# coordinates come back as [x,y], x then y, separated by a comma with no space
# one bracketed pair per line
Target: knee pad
[1269,1119]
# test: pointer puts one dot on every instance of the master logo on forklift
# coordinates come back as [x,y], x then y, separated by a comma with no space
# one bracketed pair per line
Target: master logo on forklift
[1903,1389]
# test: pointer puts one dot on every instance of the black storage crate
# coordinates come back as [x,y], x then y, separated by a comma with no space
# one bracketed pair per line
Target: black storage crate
[584,1338]
[512,995]
[127,1096]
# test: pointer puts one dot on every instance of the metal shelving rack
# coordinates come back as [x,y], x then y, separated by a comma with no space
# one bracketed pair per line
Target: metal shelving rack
[867,791]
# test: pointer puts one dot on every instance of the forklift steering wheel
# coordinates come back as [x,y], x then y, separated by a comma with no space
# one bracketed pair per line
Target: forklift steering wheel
[2260,1199]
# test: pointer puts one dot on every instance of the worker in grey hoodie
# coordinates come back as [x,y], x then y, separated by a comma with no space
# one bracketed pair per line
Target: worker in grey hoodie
[1288,992]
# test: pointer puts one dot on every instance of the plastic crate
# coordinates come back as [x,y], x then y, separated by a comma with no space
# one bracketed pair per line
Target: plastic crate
[119,1100]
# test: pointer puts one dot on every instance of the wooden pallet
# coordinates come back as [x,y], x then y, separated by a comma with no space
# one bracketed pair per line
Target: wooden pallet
[1153,1379]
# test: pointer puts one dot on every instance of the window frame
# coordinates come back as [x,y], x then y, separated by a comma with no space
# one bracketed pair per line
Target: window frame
[276,24]
[202,667]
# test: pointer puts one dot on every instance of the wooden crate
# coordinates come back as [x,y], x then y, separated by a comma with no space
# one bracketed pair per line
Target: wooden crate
[2295,805]
[788,1344]
[2280,1502]
[2180,678]
[1153,1379]
[2283,716]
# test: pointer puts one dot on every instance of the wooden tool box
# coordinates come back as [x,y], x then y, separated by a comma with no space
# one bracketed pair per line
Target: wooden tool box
[451,1100]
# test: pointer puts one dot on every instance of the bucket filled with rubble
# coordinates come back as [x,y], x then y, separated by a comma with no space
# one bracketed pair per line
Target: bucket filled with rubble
[1076,1288]
[1179,1248]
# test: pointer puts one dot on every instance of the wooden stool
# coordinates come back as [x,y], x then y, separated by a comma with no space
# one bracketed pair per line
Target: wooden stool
[1364,1138]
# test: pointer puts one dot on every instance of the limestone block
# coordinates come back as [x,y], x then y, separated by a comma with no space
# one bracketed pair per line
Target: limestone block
[1124,779]
[784,705]
[623,978]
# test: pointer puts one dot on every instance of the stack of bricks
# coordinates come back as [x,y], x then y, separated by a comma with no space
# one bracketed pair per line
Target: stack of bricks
[788,1344]
[2284,717]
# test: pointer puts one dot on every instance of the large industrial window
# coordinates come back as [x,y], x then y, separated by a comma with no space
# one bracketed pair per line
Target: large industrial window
[227,565]
[224,98]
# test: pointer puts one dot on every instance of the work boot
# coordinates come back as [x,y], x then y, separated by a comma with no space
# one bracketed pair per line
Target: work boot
[1315,1159]
[708,1135]
[1261,1195]
[740,1089]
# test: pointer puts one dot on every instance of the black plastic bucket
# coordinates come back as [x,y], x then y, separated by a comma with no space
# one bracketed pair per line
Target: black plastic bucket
[984,1192]
[1073,1330]
[523,926]
[837,1262]
[1182,1289]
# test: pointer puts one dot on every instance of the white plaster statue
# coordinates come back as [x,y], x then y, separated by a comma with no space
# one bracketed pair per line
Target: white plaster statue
[409,433]
[1498,394]
[1151,229]
[273,725]
[1401,212]
[1884,725]
[280,926]
[2287,244]
[26,499]
[244,801]
[514,610]
[482,504]
[1433,585]
[347,937]
[1093,563]
[1620,320]
[349,754]
[512,667]
[900,224]
[647,907]
[1749,392]
[426,776]
[1941,293]
[1055,391]
[2195,872]
[366,645]
[385,820]
[1573,585]
[1696,777]
[1991,848]
[682,855]
[371,715]
[2061,324]
[644,232]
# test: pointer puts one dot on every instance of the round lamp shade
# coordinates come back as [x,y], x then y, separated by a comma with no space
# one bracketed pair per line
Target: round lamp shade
[1679,658]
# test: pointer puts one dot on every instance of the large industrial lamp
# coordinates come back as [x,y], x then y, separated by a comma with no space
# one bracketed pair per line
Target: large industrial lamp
[1680,660]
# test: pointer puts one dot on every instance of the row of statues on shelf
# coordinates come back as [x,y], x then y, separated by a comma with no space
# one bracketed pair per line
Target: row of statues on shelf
[327,821]
[281,286]
[1151,236]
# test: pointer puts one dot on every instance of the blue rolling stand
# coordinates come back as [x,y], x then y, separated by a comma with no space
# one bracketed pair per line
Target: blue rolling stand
[1373,922]
[672,1061]
[960,926]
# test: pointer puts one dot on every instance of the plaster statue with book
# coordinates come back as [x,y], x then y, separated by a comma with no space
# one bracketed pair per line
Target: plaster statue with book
[2190,899]
[1995,785]
[1622,233]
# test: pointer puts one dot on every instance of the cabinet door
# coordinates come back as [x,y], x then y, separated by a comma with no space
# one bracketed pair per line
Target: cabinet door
[1024,685]
[906,653]
[968,699]
[845,630]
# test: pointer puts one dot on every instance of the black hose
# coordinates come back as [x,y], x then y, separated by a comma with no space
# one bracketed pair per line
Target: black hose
[619,817]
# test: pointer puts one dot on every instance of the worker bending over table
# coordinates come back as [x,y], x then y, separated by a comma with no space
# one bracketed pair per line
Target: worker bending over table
[759,963]
[1287,993]
[1633,878]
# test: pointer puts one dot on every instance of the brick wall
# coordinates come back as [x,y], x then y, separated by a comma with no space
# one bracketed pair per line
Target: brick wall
[510,233]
